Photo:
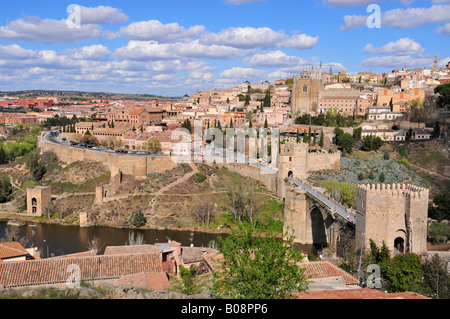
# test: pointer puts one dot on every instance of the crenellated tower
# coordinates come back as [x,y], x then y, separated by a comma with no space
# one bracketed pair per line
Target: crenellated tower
[393,213]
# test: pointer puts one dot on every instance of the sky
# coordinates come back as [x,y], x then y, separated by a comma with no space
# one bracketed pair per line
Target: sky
[178,47]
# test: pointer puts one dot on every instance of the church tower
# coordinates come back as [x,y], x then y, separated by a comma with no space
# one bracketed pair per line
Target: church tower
[305,91]
[435,64]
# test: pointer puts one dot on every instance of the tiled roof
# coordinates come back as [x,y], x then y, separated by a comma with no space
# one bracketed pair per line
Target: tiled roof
[133,249]
[146,280]
[321,270]
[56,270]
[12,250]
[363,293]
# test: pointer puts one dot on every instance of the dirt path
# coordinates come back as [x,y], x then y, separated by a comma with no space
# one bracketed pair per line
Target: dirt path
[430,172]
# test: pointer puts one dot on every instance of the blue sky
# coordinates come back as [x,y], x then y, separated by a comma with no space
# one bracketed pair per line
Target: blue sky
[181,46]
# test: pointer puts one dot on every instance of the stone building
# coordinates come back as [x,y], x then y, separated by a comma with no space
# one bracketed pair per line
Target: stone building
[39,199]
[305,91]
[394,214]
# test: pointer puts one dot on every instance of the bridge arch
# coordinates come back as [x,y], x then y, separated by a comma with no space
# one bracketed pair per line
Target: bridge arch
[318,228]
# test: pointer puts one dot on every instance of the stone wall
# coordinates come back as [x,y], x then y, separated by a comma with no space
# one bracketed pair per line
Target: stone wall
[390,213]
[138,166]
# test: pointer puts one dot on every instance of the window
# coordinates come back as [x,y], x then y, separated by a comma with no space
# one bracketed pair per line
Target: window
[305,88]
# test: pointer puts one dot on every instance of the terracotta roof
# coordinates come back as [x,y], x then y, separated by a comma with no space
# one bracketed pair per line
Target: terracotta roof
[363,293]
[133,249]
[56,270]
[322,270]
[146,280]
[137,112]
[12,250]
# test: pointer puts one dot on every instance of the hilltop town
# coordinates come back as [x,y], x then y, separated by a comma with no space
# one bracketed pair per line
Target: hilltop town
[347,153]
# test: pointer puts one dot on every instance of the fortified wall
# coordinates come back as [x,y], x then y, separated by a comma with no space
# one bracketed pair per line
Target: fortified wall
[393,213]
[297,161]
[138,166]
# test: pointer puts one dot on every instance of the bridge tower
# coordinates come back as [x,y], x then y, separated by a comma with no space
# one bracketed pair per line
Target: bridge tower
[395,214]
[292,163]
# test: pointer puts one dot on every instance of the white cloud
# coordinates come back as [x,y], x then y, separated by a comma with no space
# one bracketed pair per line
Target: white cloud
[445,29]
[102,15]
[403,46]
[48,31]
[93,52]
[273,59]
[154,30]
[239,73]
[392,61]
[249,37]
[148,50]
[350,3]
[403,18]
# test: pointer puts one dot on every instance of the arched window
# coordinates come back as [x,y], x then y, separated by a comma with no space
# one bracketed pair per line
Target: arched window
[305,88]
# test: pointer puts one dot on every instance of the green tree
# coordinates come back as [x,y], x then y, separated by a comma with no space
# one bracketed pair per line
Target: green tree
[438,232]
[371,143]
[139,219]
[440,209]
[347,142]
[258,266]
[386,155]
[443,101]
[403,273]
[436,130]
[37,169]
[152,146]
[5,189]
[381,178]
[321,139]
[187,125]
[436,282]
[266,102]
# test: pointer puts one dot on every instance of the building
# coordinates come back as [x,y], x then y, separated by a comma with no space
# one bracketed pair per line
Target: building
[305,91]
[274,116]
[345,101]
[388,97]
[382,131]
[39,199]
[392,214]
[14,251]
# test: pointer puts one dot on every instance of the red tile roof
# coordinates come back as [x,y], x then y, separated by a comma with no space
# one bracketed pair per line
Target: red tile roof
[363,293]
[146,280]
[133,249]
[12,250]
[55,270]
[323,270]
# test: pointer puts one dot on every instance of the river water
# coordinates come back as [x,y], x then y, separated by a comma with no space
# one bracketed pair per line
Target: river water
[59,240]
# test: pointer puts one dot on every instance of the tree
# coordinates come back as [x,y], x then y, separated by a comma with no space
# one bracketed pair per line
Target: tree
[381,178]
[266,125]
[436,130]
[443,101]
[187,125]
[5,189]
[139,219]
[357,133]
[298,136]
[266,102]
[436,282]
[37,169]
[440,209]
[371,143]
[386,155]
[257,266]
[438,232]
[403,273]
[153,146]
[347,142]
[321,139]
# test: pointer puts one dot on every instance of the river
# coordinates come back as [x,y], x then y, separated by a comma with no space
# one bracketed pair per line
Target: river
[59,240]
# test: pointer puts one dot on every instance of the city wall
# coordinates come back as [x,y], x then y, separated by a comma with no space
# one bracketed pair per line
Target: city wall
[138,166]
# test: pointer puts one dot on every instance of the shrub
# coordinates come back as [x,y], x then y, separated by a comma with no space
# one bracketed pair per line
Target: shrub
[139,219]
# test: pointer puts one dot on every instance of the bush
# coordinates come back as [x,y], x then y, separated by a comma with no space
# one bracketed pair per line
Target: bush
[200,177]
[139,219]
[438,232]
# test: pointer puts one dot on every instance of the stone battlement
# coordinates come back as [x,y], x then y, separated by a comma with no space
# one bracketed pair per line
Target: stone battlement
[394,190]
